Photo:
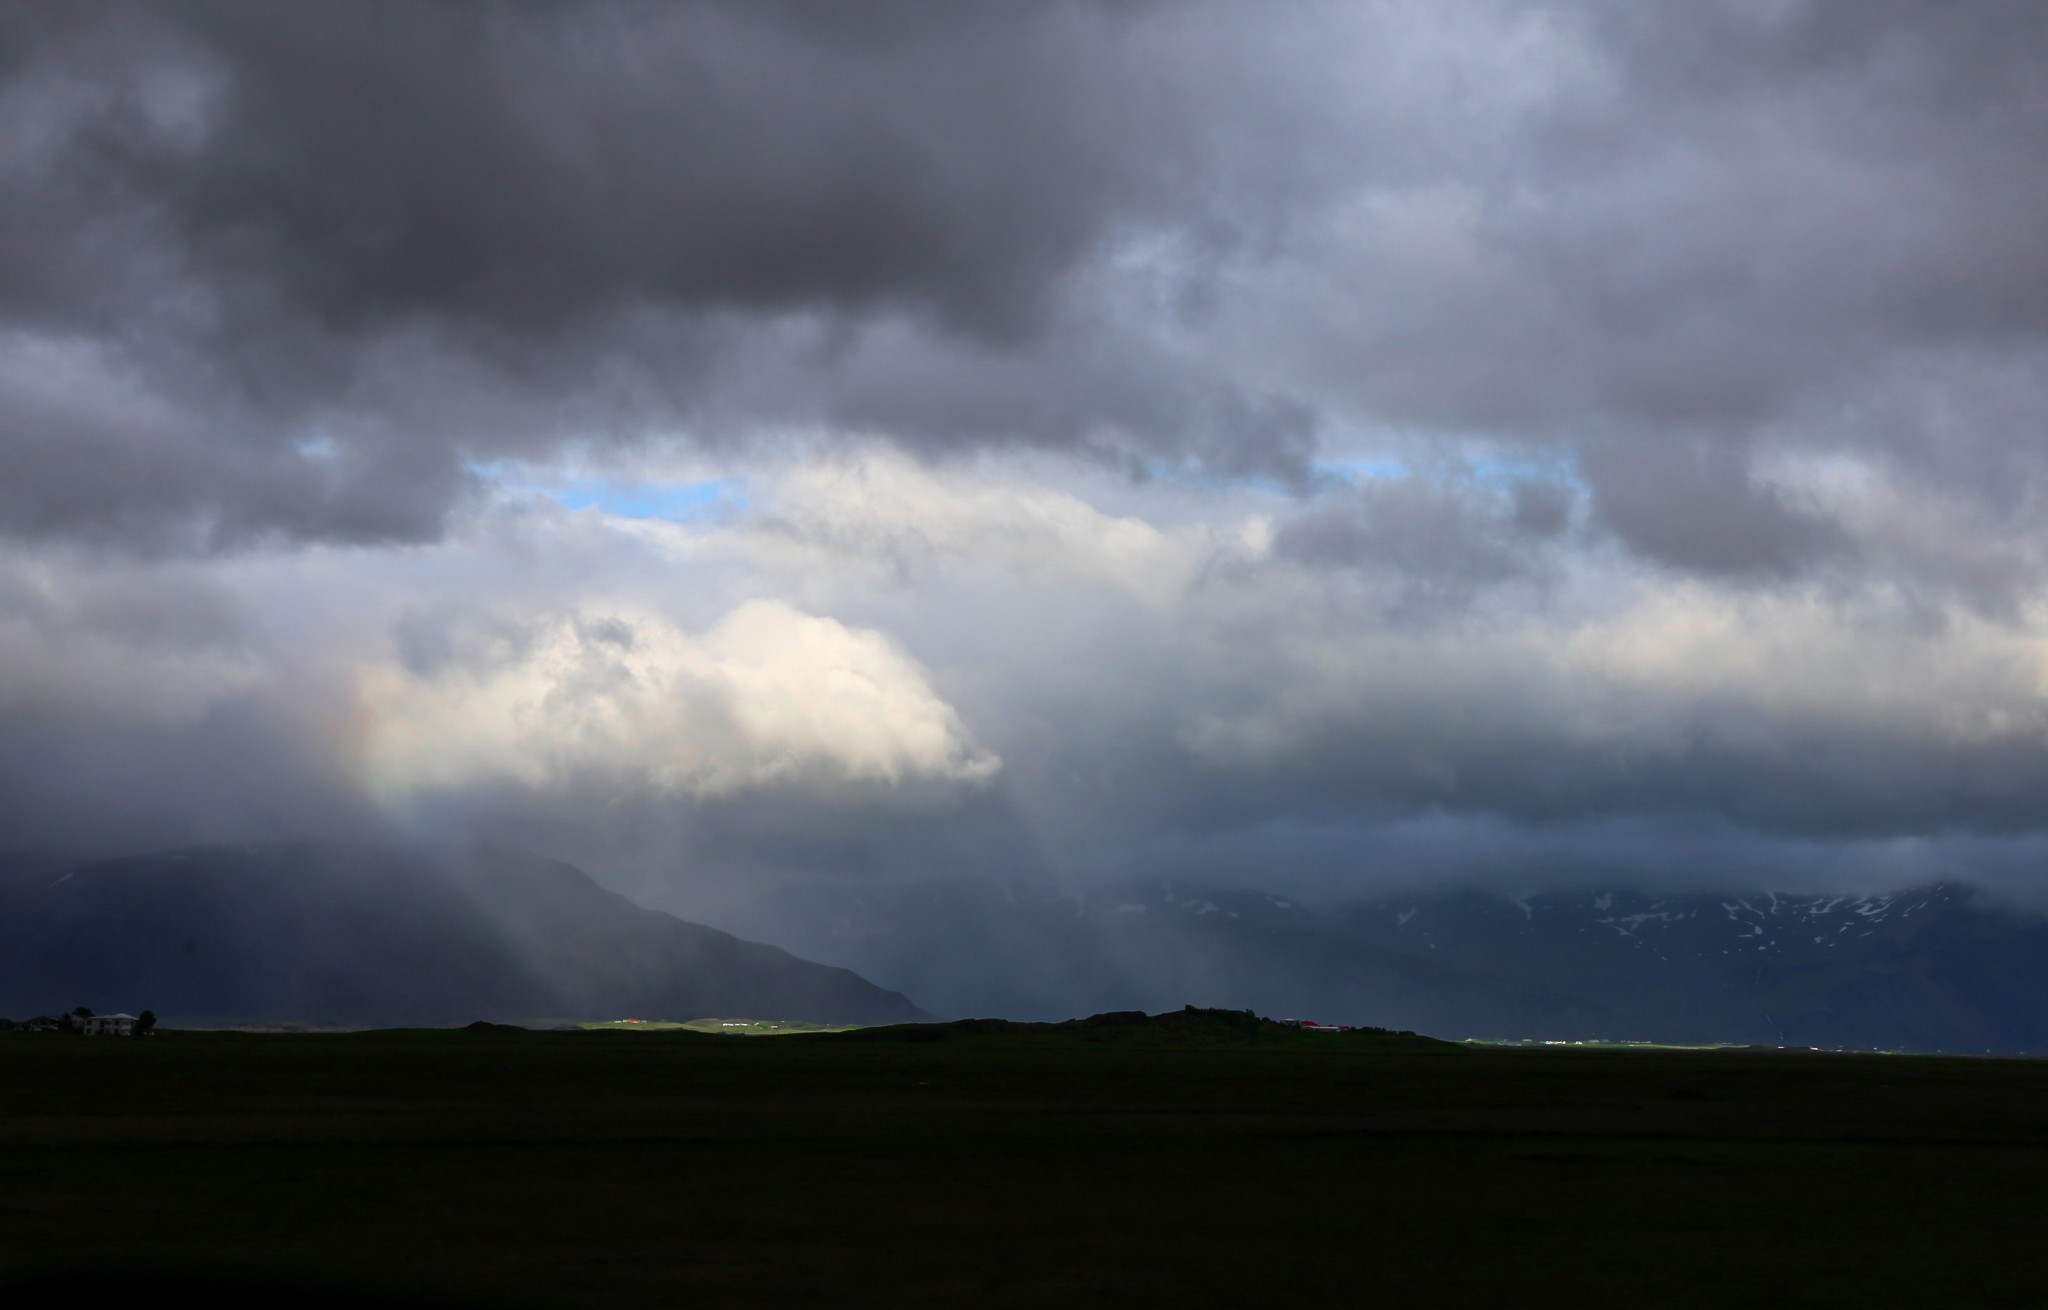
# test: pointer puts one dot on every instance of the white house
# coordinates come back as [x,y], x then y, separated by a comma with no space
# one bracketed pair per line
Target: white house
[108,1025]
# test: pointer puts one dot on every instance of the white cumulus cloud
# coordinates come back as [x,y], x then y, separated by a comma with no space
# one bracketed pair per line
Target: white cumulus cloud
[768,695]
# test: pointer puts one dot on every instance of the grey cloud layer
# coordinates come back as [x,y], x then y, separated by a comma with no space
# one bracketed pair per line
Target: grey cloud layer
[1251,418]
[283,270]
[886,669]
[405,231]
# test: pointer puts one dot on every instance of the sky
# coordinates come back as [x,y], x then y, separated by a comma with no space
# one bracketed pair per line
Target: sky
[1311,446]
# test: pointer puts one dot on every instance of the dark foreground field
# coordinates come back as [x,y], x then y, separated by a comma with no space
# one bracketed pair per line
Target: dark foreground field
[601,1169]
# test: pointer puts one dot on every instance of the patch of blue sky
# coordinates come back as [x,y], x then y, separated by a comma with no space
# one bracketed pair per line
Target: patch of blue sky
[706,499]
[1544,467]
[1351,453]
[712,498]
[316,444]
[1485,468]
[1352,470]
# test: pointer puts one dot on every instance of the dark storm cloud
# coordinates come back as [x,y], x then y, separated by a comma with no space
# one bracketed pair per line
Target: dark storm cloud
[519,167]
[404,229]
[1811,778]
[1436,541]
[1759,287]
[1699,507]
[273,270]
[522,167]
[1730,230]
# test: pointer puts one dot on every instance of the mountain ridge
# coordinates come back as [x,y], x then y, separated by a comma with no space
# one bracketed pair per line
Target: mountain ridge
[1934,968]
[387,935]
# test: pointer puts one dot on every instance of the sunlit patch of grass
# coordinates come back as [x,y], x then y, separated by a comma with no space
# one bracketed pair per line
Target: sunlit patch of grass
[723,1027]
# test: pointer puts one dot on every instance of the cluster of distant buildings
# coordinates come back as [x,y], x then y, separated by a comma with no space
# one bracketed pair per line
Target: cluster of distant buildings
[1311,1026]
[86,1022]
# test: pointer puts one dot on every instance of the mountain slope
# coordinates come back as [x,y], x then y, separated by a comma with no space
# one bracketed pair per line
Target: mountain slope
[382,936]
[989,949]
[1933,969]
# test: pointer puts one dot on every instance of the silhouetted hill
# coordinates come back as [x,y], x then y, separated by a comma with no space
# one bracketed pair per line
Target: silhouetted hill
[1188,1026]
[983,948]
[335,935]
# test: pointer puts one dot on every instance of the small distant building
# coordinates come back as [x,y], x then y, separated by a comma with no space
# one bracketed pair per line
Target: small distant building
[108,1025]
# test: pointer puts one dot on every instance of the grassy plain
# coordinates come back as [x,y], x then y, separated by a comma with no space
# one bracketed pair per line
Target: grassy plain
[1016,1168]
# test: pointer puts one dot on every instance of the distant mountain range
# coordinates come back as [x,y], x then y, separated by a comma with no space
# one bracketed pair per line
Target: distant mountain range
[332,935]
[1934,969]
[346,936]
